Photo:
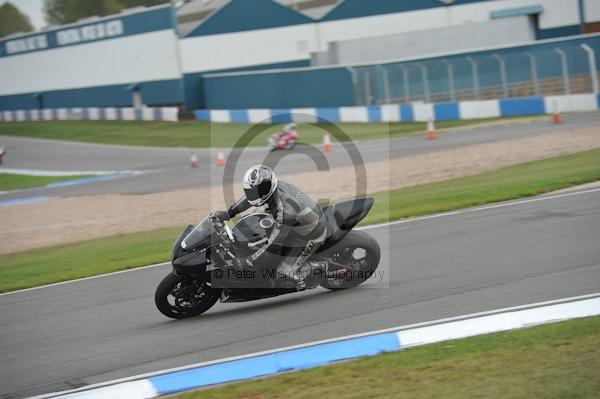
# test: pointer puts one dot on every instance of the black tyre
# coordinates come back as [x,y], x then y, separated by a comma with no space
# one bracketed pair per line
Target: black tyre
[181,297]
[354,261]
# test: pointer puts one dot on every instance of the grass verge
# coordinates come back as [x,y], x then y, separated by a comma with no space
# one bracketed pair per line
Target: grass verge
[201,134]
[517,181]
[19,182]
[558,360]
[87,258]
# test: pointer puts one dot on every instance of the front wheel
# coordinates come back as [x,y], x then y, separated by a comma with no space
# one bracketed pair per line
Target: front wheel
[353,261]
[180,297]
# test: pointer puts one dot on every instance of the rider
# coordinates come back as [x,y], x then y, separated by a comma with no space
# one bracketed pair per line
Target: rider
[299,227]
[290,129]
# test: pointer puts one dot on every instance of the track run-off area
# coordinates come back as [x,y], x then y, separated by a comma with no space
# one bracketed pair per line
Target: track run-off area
[509,254]
[167,169]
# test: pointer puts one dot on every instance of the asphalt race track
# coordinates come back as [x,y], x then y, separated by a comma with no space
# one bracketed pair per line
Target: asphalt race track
[168,168]
[65,336]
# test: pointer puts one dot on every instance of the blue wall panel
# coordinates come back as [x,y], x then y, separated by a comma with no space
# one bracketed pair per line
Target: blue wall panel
[446,111]
[162,92]
[374,113]
[281,115]
[239,16]
[406,113]
[194,82]
[522,106]
[328,114]
[557,32]
[362,8]
[310,88]
[239,115]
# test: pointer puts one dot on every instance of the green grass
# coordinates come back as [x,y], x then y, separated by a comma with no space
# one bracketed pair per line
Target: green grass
[522,180]
[18,182]
[87,258]
[199,134]
[560,360]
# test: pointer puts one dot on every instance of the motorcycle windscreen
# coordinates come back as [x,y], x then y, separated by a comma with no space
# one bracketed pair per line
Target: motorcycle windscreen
[200,236]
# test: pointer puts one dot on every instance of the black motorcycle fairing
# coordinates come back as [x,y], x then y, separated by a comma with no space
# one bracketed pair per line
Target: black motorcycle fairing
[252,231]
[191,263]
[177,251]
[342,216]
[199,236]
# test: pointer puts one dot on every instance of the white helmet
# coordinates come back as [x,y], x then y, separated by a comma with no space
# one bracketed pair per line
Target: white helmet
[259,184]
[290,127]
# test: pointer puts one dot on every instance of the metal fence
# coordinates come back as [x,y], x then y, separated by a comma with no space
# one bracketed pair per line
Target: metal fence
[560,70]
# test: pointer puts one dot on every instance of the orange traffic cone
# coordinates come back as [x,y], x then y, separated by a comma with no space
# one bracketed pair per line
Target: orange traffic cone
[431,130]
[220,157]
[327,147]
[556,116]
[193,160]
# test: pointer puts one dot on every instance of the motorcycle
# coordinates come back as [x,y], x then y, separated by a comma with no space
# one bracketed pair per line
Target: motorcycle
[283,141]
[204,272]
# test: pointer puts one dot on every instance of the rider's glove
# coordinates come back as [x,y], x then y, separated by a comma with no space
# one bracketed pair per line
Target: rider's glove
[221,215]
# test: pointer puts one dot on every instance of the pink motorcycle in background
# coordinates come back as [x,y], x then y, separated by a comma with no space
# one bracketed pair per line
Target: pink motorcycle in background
[284,140]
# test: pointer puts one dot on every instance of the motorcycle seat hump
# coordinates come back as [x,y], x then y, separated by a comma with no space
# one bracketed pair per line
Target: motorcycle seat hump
[343,215]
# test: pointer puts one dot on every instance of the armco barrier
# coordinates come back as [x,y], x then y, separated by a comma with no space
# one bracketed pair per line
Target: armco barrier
[324,352]
[168,114]
[410,112]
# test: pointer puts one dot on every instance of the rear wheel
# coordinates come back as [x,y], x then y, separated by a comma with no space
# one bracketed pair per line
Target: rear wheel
[353,261]
[180,297]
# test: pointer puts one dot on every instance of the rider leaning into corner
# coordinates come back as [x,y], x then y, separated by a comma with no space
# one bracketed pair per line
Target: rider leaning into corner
[299,228]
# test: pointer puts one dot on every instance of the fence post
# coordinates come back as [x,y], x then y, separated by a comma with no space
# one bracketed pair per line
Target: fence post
[450,80]
[502,65]
[355,84]
[534,75]
[475,76]
[367,87]
[386,83]
[406,82]
[425,81]
[593,71]
[565,70]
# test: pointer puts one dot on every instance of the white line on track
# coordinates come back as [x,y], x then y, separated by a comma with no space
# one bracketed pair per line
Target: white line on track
[435,216]
[325,341]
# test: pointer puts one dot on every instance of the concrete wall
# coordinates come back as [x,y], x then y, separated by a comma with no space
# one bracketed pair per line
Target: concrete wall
[93,63]
[468,36]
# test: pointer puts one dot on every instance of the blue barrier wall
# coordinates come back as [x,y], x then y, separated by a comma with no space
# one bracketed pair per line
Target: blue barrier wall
[304,88]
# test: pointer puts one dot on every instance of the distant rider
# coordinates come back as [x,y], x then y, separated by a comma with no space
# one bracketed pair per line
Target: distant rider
[299,223]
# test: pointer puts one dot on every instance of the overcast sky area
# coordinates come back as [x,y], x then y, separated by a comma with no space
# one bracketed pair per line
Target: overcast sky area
[33,9]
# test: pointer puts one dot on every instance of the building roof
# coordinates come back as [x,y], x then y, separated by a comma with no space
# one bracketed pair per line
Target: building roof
[192,13]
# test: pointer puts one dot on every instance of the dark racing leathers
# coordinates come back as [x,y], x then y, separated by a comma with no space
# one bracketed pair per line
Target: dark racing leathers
[298,232]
